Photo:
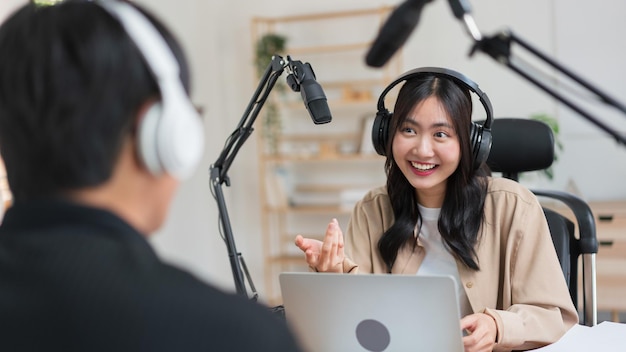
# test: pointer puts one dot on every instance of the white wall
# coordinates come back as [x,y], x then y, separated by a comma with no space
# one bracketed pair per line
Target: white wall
[584,36]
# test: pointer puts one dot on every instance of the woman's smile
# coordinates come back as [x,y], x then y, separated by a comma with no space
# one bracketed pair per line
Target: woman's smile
[423,169]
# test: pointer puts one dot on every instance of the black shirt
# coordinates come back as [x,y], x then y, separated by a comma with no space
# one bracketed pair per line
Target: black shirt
[74,278]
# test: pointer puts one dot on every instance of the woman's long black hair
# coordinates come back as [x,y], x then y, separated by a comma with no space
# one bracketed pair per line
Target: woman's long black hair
[462,209]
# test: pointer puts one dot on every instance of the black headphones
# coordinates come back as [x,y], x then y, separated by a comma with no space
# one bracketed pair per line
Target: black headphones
[480,135]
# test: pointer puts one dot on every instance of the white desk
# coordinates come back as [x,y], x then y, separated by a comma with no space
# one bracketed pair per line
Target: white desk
[605,337]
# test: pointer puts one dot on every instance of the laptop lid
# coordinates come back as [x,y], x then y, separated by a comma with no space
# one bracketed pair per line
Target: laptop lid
[372,312]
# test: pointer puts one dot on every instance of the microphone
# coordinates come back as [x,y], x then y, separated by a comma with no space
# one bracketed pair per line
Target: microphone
[302,79]
[395,32]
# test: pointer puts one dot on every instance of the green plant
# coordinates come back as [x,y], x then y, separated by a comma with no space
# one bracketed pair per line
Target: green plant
[46,2]
[558,145]
[267,46]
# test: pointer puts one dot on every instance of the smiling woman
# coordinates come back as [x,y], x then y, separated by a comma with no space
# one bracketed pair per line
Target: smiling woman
[441,214]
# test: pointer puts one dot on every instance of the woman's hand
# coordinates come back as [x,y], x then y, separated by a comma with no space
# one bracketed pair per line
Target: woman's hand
[482,331]
[324,256]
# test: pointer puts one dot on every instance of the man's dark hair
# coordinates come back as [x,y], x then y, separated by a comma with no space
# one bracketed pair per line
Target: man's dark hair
[71,84]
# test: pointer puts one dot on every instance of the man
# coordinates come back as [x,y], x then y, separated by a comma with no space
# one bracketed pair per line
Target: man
[94,148]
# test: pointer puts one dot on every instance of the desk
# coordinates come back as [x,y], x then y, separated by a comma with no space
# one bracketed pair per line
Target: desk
[610,219]
[605,337]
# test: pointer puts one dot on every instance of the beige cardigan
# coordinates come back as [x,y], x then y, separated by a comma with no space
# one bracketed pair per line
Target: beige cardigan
[520,282]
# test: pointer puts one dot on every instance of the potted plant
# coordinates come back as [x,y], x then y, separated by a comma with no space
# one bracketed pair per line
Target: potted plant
[267,46]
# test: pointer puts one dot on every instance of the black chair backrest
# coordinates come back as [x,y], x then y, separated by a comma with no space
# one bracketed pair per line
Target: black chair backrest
[520,145]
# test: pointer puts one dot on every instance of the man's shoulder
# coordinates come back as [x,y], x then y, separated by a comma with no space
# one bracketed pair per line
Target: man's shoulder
[181,286]
[197,309]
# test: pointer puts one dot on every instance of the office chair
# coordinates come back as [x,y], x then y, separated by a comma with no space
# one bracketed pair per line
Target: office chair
[521,145]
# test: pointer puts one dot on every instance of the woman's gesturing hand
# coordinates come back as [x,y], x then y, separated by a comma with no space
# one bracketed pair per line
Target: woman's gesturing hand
[326,256]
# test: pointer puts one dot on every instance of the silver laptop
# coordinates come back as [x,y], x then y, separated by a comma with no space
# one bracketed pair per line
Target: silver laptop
[373,312]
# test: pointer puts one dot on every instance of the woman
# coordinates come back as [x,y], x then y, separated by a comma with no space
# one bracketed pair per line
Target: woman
[441,213]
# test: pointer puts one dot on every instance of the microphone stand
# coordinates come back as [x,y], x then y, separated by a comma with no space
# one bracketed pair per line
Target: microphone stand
[219,169]
[498,47]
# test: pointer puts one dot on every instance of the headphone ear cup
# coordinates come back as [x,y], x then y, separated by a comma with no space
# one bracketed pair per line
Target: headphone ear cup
[380,131]
[180,136]
[480,139]
[171,140]
[147,139]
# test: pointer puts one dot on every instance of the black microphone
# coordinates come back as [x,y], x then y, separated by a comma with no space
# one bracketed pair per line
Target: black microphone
[395,32]
[302,79]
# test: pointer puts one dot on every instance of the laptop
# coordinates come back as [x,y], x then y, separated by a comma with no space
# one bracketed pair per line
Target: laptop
[372,312]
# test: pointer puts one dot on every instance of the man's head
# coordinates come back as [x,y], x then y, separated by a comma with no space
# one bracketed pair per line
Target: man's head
[73,87]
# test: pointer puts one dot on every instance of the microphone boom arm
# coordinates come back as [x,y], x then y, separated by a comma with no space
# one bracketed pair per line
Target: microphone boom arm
[219,169]
[499,47]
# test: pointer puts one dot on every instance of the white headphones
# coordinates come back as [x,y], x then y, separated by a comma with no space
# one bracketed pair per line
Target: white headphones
[171,133]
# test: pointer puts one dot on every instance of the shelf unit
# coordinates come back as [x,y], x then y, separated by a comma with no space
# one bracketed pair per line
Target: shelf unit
[318,172]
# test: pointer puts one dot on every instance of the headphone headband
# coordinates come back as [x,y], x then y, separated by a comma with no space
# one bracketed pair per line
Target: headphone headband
[447,73]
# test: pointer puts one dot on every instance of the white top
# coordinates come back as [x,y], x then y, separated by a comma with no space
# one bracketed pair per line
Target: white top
[438,260]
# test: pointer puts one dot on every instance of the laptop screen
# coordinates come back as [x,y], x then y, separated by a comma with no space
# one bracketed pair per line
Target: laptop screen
[372,312]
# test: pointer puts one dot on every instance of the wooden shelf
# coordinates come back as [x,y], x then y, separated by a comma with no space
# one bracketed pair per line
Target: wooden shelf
[353,94]
[328,187]
[328,158]
[381,11]
[298,173]
[615,208]
[309,209]
[295,259]
[326,49]
[313,137]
